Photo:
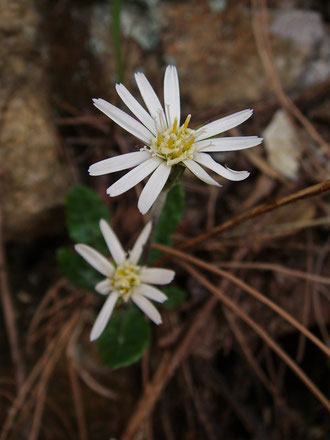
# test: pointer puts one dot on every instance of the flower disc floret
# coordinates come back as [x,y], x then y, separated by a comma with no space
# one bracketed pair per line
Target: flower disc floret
[125,278]
[175,144]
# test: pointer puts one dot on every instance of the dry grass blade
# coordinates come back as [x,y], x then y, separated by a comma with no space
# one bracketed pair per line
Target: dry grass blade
[253,292]
[260,331]
[310,191]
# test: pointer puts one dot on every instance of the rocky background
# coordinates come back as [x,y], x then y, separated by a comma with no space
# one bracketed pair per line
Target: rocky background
[57,55]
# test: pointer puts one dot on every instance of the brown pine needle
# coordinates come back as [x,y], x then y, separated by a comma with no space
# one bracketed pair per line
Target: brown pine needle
[165,370]
[42,368]
[276,268]
[253,292]
[260,331]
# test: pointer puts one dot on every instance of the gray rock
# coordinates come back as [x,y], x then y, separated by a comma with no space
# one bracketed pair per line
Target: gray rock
[35,181]
[304,28]
[217,56]
[141,22]
[282,146]
[218,5]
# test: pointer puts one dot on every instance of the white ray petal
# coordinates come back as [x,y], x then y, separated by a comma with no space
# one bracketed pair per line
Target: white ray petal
[153,187]
[118,163]
[124,120]
[104,316]
[95,259]
[207,161]
[111,239]
[155,275]
[151,292]
[136,252]
[133,177]
[150,98]
[172,94]
[200,172]
[103,287]
[147,307]
[217,145]
[136,108]
[223,124]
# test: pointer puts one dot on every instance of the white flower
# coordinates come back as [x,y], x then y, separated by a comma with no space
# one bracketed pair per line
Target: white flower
[166,141]
[125,279]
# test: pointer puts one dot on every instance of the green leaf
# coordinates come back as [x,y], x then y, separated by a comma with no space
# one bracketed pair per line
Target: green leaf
[175,295]
[80,273]
[169,219]
[84,210]
[125,338]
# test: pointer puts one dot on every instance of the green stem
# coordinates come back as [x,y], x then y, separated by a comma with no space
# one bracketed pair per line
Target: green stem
[157,208]
[175,177]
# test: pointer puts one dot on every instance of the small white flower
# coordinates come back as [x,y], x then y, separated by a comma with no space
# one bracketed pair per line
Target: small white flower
[166,141]
[125,279]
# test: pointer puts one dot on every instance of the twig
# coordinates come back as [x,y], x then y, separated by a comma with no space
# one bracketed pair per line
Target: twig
[310,191]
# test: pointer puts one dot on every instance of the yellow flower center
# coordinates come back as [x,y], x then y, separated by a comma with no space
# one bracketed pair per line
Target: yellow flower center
[175,144]
[125,278]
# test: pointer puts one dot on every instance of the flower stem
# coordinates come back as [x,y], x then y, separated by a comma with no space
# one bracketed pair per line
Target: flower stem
[157,209]
[175,177]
